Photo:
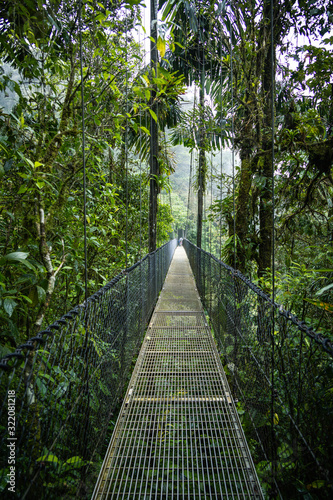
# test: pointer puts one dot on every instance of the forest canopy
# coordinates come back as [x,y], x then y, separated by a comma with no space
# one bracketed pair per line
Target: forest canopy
[208,120]
[225,51]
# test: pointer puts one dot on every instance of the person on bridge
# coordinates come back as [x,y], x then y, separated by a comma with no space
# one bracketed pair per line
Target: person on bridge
[180,241]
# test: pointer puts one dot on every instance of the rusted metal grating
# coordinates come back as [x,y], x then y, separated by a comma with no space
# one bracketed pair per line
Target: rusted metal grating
[178,434]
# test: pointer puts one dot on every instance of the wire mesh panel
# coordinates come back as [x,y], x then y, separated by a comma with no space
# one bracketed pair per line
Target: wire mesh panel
[63,385]
[281,374]
[178,434]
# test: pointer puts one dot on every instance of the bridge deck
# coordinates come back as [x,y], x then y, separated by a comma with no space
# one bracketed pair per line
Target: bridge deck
[178,434]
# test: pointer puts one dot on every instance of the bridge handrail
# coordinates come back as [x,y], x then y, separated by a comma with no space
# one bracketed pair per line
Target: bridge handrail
[281,375]
[62,386]
[56,325]
[319,338]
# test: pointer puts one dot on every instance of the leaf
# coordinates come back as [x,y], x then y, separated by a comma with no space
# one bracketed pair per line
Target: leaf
[27,299]
[100,17]
[322,305]
[25,159]
[145,130]
[9,306]
[130,3]
[41,294]
[48,458]
[153,114]
[145,79]
[17,257]
[317,484]
[74,460]
[41,386]
[322,290]
[48,377]
[164,73]
[161,46]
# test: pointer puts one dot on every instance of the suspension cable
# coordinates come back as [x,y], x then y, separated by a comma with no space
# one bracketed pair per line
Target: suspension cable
[273,239]
[189,194]
[273,152]
[221,151]
[202,173]
[126,143]
[83,160]
[140,145]
[203,234]
[212,134]
[232,140]
[211,202]
[86,305]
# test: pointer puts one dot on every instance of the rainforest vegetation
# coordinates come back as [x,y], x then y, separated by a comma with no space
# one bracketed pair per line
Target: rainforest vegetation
[201,44]
[239,117]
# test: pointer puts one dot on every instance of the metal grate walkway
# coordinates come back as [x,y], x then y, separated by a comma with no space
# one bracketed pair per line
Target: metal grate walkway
[178,434]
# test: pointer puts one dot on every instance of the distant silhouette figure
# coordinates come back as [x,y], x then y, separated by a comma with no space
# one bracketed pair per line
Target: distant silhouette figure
[180,241]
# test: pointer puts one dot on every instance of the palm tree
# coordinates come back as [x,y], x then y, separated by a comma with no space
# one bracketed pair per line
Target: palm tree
[195,26]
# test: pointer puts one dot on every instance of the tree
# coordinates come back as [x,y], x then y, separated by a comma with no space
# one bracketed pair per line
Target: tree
[154,170]
[41,159]
[192,44]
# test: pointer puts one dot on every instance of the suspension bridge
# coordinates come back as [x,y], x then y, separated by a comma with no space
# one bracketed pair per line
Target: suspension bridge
[187,427]
[178,433]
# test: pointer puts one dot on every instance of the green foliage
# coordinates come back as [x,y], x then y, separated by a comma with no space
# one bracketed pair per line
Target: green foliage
[41,218]
[41,192]
[164,222]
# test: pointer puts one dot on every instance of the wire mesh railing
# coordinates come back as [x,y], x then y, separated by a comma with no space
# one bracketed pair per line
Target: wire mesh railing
[60,389]
[281,375]
[178,435]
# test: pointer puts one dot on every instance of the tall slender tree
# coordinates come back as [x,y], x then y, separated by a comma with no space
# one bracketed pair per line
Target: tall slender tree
[154,170]
[192,33]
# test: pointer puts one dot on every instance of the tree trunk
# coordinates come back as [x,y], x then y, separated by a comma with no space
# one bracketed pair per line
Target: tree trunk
[265,207]
[265,215]
[202,160]
[242,213]
[154,170]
